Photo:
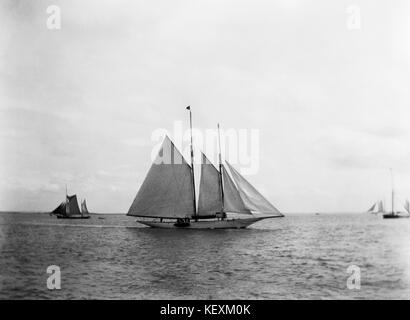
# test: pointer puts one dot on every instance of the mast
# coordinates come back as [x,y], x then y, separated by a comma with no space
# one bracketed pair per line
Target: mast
[66,203]
[192,163]
[392,191]
[220,171]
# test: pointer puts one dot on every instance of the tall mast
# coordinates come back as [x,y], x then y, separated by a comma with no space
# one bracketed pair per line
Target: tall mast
[192,162]
[220,171]
[392,191]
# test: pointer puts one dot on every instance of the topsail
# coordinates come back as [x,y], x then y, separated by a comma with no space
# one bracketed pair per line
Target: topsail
[167,190]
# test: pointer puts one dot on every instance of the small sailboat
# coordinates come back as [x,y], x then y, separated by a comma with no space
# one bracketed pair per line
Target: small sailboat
[166,198]
[377,207]
[394,214]
[69,209]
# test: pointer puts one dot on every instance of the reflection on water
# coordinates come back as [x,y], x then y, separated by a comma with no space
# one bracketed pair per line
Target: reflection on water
[300,256]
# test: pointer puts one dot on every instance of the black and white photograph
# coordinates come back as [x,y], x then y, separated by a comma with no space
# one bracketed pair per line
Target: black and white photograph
[192,150]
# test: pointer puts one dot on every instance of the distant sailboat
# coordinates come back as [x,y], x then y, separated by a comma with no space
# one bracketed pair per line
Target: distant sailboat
[394,214]
[166,198]
[377,207]
[69,209]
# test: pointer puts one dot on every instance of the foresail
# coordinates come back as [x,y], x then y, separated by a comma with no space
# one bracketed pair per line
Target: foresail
[60,209]
[167,189]
[210,196]
[372,207]
[252,199]
[232,199]
[72,206]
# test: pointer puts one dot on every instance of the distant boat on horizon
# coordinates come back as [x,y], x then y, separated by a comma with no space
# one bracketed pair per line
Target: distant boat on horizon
[396,214]
[166,198]
[380,208]
[69,209]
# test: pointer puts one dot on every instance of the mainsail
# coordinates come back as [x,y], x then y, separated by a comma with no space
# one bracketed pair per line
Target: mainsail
[84,209]
[232,199]
[72,206]
[210,193]
[252,199]
[167,190]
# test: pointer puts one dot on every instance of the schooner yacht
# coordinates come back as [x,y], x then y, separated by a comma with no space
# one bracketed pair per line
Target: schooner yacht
[167,197]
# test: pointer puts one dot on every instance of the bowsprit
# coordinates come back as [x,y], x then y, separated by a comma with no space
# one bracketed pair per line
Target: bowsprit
[237,309]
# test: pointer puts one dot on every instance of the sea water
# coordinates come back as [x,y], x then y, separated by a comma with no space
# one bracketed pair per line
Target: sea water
[301,256]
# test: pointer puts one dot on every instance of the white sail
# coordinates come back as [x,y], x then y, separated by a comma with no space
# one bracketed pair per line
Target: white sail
[380,207]
[210,196]
[232,199]
[167,189]
[407,206]
[84,209]
[252,199]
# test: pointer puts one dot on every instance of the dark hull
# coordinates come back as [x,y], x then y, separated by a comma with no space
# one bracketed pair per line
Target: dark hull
[393,216]
[73,217]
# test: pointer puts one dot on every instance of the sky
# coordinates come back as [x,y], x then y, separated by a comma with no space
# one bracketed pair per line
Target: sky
[80,106]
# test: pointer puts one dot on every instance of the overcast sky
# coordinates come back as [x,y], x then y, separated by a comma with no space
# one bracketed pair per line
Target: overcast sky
[78,105]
